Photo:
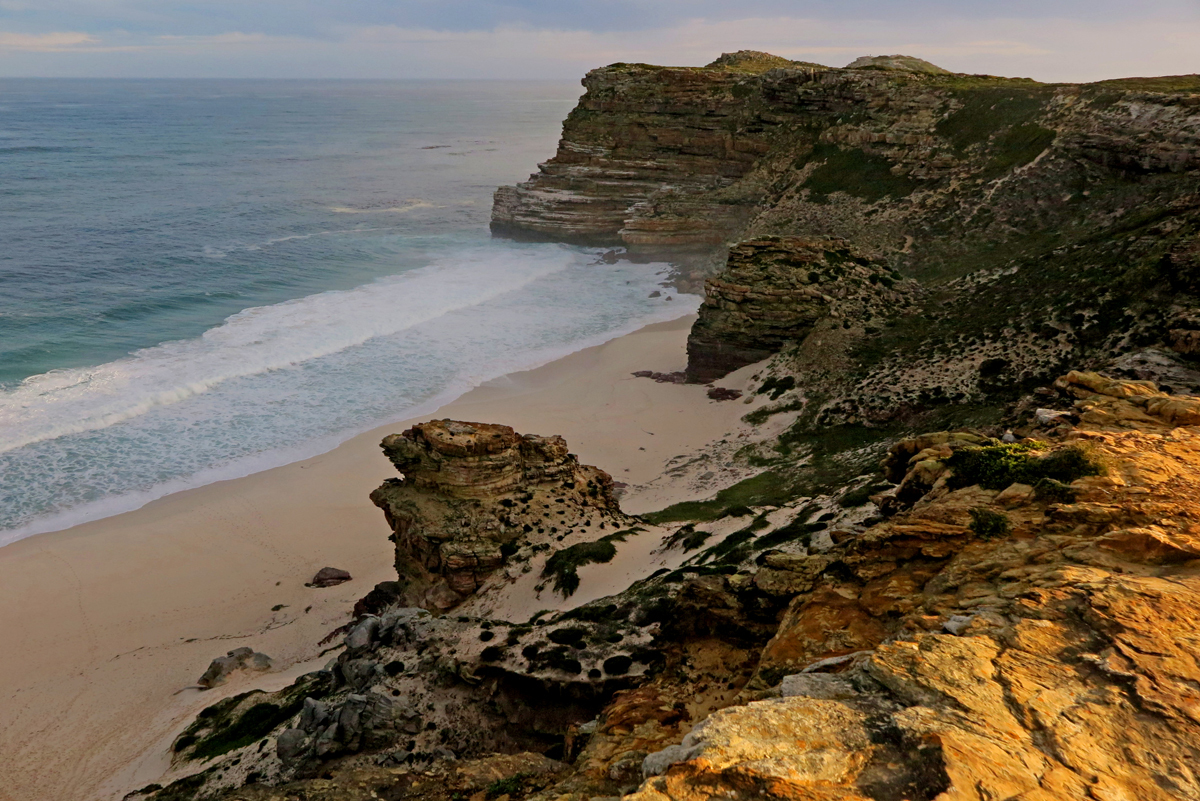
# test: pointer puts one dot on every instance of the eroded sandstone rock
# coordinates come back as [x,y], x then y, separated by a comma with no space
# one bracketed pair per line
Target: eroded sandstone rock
[1042,663]
[921,657]
[472,494]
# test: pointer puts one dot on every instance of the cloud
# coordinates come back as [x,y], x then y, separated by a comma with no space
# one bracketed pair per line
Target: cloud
[1047,48]
[45,42]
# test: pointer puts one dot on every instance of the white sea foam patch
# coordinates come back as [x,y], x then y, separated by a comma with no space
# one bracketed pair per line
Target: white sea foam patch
[408,205]
[260,340]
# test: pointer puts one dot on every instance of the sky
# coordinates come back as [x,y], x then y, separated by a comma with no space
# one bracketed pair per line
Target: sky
[1051,40]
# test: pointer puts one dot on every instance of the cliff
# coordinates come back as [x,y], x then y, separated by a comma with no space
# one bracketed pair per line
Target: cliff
[940,173]
[777,291]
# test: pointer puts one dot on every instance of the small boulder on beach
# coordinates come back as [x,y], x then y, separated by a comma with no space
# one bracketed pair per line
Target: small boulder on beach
[243,658]
[329,577]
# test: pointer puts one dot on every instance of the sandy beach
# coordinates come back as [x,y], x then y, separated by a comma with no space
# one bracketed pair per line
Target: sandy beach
[107,625]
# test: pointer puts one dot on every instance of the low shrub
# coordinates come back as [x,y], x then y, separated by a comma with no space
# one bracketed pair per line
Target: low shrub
[775,387]
[988,523]
[996,467]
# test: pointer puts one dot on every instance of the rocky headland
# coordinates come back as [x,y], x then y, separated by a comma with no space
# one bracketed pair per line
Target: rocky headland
[966,563]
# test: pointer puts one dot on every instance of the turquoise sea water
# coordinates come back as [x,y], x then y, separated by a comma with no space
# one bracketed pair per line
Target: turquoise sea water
[199,279]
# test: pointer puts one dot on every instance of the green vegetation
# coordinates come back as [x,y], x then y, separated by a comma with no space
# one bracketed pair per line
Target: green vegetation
[775,386]
[219,729]
[563,565]
[765,488]
[257,721]
[996,467]
[1189,84]
[1048,489]
[988,523]
[795,531]
[988,109]
[1016,147]
[760,416]
[859,497]
[511,785]
[855,172]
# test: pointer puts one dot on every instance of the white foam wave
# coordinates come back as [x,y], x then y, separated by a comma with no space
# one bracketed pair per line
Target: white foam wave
[258,462]
[408,206]
[259,340]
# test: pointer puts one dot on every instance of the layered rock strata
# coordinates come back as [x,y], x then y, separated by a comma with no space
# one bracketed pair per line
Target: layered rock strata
[639,135]
[472,493]
[941,173]
[775,291]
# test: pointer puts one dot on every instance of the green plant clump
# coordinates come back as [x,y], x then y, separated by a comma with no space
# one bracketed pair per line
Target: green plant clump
[509,786]
[760,490]
[996,467]
[775,386]
[563,565]
[257,721]
[988,523]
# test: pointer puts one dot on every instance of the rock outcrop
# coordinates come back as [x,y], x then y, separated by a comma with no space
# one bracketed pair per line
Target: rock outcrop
[1016,627]
[775,291]
[999,640]
[897,62]
[471,494]
[330,577]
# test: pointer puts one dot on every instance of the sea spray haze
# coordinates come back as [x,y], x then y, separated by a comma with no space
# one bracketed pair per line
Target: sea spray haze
[204,278]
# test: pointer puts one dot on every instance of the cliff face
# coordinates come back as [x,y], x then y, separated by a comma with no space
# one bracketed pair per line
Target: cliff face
[639,133]
[942,173]
[776,291]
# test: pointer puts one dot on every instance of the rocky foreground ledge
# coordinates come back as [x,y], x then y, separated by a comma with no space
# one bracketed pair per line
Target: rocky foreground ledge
[1014,621]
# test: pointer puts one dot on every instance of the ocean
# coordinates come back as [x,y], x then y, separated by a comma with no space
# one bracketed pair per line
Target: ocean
[203,279]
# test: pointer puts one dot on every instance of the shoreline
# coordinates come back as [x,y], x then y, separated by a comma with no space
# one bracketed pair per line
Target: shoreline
[243,467]
[108,620]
